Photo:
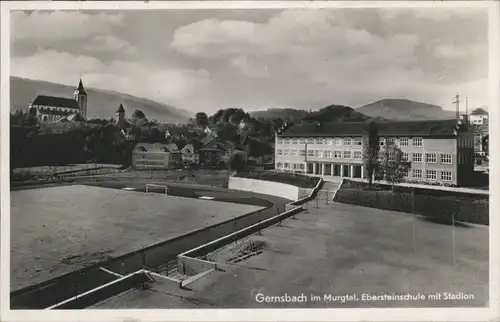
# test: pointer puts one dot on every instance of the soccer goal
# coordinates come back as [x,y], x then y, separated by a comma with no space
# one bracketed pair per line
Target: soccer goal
[156,188]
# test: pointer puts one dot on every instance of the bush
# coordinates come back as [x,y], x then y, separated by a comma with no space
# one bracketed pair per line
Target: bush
[442,209]
[298,180]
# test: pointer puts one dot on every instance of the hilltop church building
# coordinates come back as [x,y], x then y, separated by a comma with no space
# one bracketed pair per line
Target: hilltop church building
[52,109]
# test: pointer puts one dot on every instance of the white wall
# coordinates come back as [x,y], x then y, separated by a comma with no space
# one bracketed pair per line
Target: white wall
[265,187]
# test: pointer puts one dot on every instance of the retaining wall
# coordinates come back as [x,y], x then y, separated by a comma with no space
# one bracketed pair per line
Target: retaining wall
[265,187]
[58,289]
[187,262]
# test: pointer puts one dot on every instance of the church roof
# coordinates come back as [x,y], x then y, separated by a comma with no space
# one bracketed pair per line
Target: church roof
[80,89]
[54,101]
[121,109]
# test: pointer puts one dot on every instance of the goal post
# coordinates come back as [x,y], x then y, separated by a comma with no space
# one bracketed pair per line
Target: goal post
[150,187]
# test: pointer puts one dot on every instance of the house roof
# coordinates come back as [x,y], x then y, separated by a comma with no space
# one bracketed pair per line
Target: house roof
[221,145]
[54,101]
[385,128]
[479,111]
[75,118]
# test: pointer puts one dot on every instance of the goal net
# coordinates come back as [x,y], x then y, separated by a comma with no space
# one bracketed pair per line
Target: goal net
[156,188]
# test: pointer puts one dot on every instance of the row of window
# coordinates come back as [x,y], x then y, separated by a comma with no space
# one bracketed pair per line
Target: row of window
[430,174]
[336,141]
[357,155]
[444,158]
[348,141]
[294,166]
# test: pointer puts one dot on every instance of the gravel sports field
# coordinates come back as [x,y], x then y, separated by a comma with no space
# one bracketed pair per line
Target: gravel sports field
[56,230]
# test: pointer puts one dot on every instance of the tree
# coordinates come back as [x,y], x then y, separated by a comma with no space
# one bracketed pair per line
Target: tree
[201,119]
[370,150]
[393,166]
[236,163]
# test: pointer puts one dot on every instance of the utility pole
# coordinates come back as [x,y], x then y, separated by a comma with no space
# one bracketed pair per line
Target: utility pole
[467,112]
[457,102]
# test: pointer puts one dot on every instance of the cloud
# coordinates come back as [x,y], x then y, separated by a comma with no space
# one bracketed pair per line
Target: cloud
[110,43]
[47,26]
[295,58]
[129,77]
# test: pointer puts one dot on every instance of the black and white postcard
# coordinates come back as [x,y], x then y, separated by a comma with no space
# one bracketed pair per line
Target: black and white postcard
[249,160]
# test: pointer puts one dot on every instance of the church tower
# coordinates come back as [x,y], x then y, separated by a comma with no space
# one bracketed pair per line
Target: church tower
[120,113]
[81,97]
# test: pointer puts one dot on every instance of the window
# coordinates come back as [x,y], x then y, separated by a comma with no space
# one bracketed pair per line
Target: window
[329,141]
[279,165]
[404,157]
[431,174]
[310,153]
[347,154]
[287,165]
[338,141]
[337,154]
[302,141]
[302,153]
[347,141]
[286,141]
[446,175]
[417,157]
[295,141]
[286,152]
[293,152]
[405,172]
[318,141]
[357,155]
[310,141]
[357,141]
[328,154]
[319,154]
[279,152]
[430,157]
[404,142]
[445,158]
[417,173]
[381,141]
[301,166]
[417,142]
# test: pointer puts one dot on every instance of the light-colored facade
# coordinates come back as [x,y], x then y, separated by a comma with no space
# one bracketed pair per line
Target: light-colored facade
[155,156]
[434,159]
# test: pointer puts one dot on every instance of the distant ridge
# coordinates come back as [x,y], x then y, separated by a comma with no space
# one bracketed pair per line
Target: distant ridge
[405,110]
[101,103]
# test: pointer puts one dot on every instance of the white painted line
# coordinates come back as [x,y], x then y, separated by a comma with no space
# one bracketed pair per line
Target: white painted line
[127,188]
[207,198]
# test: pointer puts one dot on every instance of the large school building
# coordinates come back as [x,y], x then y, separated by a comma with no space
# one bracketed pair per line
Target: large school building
[440,151]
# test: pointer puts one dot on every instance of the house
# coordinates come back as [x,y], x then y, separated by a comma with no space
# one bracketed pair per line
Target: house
[190,153]
[439,151]
[219,152]
[478,116]
[156,156]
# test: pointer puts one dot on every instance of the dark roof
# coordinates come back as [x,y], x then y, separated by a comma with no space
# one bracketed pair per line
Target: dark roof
[385,128]
[80,88]
[121,109]
[479,111]
[56,102]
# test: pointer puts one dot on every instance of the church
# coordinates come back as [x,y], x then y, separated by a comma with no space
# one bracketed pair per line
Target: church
[51,109]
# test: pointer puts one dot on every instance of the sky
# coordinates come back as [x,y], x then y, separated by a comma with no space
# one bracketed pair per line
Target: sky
[205,60]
